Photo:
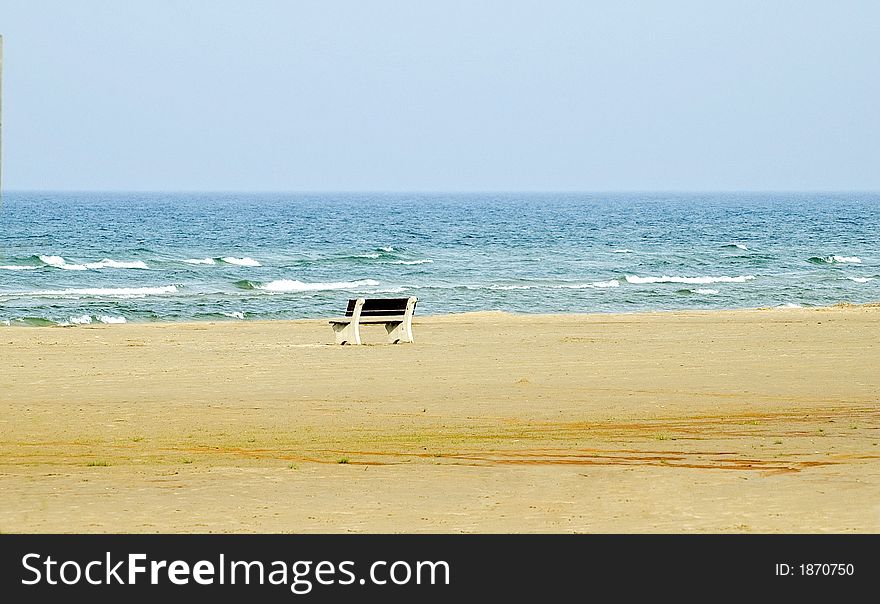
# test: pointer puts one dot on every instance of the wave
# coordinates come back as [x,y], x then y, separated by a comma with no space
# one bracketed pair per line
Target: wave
[594,284]
[379,252]
[245,284]
[503,287]
[695,280]
[108,263]
[113,292]
[861,279]
[246,261]
[31,321]
[390,290]
[294,285]
[110,320]
[789,305]
[735,246]
[623,251]
[388,254]
[89,319]
[703,291]
[60,262]
[17,267]
[234,315]
[835,259]
[239,261]
[610,283]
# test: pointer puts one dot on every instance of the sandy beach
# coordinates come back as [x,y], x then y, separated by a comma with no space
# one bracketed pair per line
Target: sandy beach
[724,421]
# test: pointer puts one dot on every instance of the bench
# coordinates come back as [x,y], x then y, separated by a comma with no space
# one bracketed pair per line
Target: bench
[395,313]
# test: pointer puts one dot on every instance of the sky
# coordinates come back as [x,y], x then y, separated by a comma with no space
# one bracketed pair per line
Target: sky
[445,95]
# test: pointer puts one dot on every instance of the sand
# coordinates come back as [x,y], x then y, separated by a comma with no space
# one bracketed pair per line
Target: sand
[737,421]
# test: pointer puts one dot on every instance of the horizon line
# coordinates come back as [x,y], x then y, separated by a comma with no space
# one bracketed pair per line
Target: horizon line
[446,191]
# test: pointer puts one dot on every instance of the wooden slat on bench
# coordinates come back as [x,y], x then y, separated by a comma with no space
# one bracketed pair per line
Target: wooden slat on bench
[379,306]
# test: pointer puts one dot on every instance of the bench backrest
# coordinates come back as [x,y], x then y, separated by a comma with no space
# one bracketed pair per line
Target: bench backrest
[379,306]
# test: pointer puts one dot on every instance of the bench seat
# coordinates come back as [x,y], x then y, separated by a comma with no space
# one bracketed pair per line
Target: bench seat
[374,319]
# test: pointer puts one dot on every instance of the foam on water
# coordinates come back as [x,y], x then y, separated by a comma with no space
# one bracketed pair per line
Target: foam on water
[60,262]
[111,320]
[701,280]
[112,292]
[610,283]
[835,259]
[861,279]
[240,261]
[426,261]
[17,267]
[89,319]
[208,261]
[390,290]
[594,284]
[109,263]
[293,285]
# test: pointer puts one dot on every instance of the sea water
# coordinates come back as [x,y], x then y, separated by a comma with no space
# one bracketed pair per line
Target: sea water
[86,258]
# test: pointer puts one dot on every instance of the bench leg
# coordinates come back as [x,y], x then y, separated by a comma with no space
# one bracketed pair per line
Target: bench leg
[347,333]
[399,332]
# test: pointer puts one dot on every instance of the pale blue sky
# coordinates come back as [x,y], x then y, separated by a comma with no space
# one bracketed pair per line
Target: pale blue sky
[442,95]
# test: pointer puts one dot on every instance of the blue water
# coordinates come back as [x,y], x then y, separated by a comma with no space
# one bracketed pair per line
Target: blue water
[107,257]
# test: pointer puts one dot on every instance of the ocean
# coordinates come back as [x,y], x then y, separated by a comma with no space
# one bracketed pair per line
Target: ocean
[85,258]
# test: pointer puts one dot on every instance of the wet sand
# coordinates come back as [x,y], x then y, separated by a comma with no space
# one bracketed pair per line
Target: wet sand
[736,421]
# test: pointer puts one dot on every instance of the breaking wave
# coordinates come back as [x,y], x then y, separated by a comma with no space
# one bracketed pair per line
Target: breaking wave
[239,261]
[60,262]
[695,280]
[112,292]
[89,319]
[835,259]
[294,285]
[594,284]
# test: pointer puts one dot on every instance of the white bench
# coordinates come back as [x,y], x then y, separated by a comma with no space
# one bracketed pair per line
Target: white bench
[395,313]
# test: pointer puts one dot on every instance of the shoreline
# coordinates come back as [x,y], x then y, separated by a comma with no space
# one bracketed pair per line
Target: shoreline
[693,421]
[466,315]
